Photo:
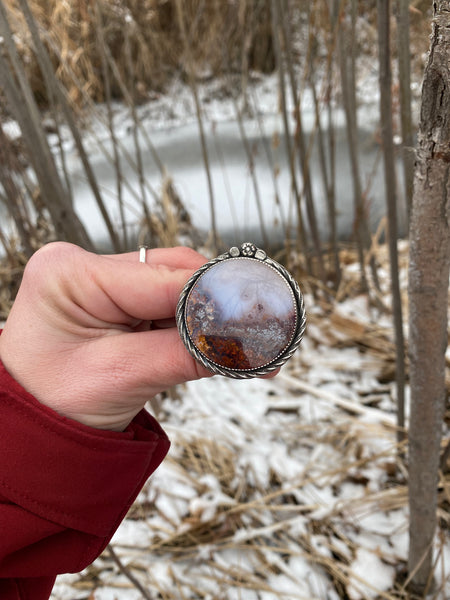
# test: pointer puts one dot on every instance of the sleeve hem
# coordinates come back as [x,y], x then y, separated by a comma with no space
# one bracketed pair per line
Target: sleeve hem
[66,472]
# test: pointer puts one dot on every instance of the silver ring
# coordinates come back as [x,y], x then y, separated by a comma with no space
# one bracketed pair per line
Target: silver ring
[142,254]
[241,314]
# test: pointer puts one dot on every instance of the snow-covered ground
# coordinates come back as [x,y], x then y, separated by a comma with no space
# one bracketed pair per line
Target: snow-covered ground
[279,488]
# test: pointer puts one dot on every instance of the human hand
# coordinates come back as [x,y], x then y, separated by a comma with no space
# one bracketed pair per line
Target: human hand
[78,335]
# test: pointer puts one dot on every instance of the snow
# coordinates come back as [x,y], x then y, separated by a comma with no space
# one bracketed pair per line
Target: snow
[369,575]
[273,488]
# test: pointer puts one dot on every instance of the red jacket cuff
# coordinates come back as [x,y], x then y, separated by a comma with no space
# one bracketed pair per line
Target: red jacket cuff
[79,477]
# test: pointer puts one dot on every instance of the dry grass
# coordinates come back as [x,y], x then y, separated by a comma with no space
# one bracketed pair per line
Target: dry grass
[11,271]
[169,223]
[241,527]
[144,38]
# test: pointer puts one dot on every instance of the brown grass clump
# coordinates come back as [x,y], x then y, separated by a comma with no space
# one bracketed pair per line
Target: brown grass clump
[148,40]
[168,223]
[11,271]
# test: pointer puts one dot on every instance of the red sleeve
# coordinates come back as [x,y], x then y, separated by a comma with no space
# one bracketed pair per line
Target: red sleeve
[64,488]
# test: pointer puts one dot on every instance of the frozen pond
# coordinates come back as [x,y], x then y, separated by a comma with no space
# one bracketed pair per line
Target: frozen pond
[234,189]
[252,189]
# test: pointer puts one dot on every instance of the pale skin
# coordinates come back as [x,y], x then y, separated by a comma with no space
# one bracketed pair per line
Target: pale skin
[79,338]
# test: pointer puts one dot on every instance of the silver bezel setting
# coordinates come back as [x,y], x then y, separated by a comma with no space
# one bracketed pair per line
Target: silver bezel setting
[246,250]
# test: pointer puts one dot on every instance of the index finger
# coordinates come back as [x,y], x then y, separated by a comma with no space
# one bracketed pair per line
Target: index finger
[146,292]
[177,257]
[110,289]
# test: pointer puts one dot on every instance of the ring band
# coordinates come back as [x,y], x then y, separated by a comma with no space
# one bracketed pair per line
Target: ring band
[242,314]
[142,254]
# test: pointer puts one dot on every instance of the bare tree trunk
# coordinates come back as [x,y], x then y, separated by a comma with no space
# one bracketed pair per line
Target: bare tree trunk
[189,66]
[251,168]
[55,90]
[404,77]
[13,198]
[326,141]
[23,106]
[281,22]
[428,289]
[346,53]
[301,238]
[118,173]
[384,49]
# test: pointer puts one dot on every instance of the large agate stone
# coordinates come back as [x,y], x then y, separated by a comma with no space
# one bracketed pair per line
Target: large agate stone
[241,314]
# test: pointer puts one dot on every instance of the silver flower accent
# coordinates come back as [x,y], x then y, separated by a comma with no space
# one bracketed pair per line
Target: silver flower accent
[248,249]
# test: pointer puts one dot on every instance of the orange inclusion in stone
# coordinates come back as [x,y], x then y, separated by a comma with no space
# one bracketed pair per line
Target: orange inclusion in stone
[241,314]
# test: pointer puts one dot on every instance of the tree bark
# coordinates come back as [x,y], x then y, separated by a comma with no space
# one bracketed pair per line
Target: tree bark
[384,51]
[346,49]
[189,66]
[404,80]
[428,298]
[282,37]
[301,237]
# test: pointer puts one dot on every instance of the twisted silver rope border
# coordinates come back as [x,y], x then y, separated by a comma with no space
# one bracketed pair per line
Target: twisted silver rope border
[247,250]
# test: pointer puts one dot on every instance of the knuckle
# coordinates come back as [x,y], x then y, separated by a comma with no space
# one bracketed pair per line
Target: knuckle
[47,255]
[50,259]
[189,254]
